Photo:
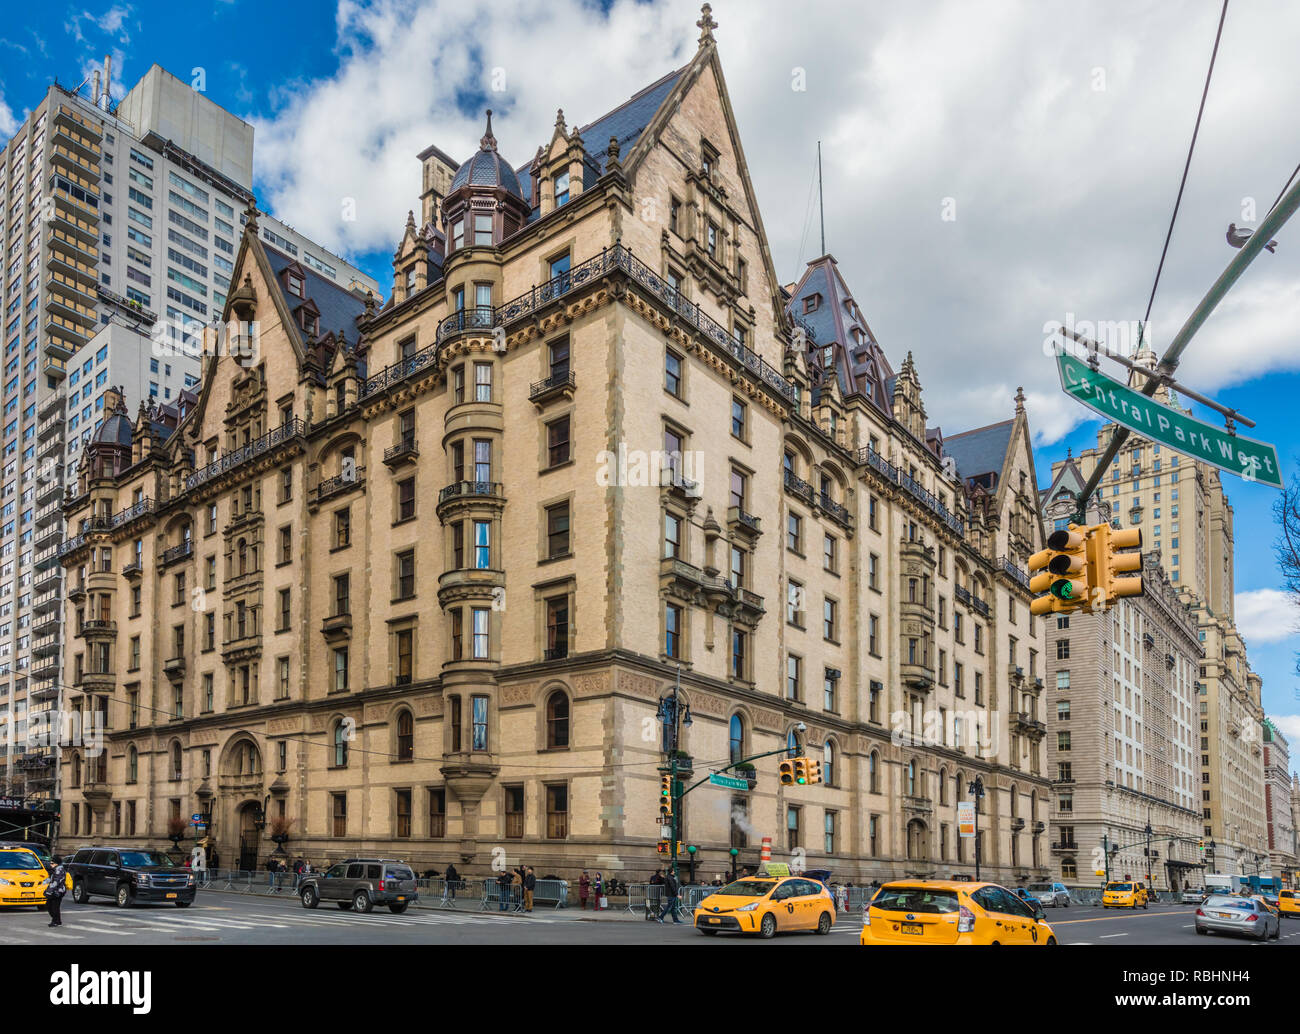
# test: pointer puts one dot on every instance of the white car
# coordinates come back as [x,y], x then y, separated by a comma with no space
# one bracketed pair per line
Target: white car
[1049,895]
[1192,897]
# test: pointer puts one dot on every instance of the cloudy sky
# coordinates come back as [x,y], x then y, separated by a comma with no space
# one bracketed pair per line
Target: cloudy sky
[1055,132]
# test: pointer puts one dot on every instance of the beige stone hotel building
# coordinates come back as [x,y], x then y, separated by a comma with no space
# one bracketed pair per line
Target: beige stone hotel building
[415,576]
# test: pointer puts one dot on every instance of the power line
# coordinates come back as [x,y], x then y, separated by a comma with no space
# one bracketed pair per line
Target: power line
[1205,92]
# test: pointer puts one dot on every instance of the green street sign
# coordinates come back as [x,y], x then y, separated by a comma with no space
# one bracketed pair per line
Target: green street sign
[1245,457]
[728,782]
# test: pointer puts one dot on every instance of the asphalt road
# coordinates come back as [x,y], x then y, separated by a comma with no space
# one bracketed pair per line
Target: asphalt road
[218,918]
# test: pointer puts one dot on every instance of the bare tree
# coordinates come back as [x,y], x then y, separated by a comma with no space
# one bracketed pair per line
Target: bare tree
[1286,511]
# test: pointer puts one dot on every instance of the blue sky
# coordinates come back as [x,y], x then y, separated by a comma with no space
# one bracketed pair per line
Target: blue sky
[1060,140]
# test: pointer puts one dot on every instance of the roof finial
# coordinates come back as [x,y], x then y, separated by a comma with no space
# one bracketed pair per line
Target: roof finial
[488,142]
[559,121]
[251,213]
[611,161]
[1020,400]
[706,25]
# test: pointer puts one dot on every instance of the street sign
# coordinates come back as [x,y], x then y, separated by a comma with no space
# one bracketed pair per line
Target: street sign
[196,818]
[729,782]
[1245,457]
[966,818]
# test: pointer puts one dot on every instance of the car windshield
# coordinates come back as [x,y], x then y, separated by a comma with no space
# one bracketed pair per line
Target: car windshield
[1119,886]
[747,888]
[18,860]
[916,899]
[1221,901]
[145,860]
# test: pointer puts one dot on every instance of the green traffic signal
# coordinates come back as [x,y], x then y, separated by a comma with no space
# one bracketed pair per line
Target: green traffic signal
[1063,589]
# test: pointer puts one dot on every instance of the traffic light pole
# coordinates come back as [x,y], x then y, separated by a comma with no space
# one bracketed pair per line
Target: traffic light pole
[1268,228]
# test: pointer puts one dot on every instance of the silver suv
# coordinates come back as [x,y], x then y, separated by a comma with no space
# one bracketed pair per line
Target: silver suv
[360,884]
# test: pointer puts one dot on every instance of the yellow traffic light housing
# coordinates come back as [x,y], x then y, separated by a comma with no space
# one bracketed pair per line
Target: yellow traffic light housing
[1061,571]
[787,772]
[801,771]
[665,796]
[814,771]
[1110,567]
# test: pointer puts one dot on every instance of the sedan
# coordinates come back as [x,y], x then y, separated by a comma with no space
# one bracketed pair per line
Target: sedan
[1049,895]
[1192,897]
[1245,917]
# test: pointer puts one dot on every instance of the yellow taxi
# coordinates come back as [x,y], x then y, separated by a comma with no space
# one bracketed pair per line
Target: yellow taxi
[1125,894]
[22,878]
[1288,904]
[951,912]
[767,905]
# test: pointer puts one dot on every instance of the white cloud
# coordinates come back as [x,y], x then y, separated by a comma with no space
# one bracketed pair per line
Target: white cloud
[1266,616]
[1063,191]
[112,22]
[8,122]
[1289,726]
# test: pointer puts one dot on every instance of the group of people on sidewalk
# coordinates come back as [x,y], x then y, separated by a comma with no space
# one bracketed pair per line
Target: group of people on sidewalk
[525,880]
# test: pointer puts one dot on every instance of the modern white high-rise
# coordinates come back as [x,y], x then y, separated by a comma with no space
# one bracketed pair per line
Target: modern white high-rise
[118,225]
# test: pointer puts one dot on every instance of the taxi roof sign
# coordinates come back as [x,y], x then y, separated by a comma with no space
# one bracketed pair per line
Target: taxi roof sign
[777,869]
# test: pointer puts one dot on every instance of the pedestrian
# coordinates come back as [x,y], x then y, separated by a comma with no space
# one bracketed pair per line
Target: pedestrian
[530,885]
[657,879]
[270,870]
[670,897]
[451,877]
[55,887]
[584,887]
[503,890]
[597,889]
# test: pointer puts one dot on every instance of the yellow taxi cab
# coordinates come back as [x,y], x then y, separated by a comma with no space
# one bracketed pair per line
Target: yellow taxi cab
[22,878]
[1125,894]
[951,912]
[767,905]
[1288,904]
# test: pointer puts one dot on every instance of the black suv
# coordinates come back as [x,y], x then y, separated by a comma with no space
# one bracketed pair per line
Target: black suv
[360,884]
[129,876]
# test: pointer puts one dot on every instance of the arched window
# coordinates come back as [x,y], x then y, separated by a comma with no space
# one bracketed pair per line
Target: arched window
[132,765]
[911,778]
[828,763]
[959,786]
[340,744]
[76,770]
[557,720]
[793,747]
[175,762]
[873,771]
[737,738]
[405,736]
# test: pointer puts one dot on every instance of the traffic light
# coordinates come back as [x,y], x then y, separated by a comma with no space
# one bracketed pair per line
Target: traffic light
[1061,571]
[801,771]
[1109,566]
[787,772]
[814,771]
[663,847]
[665,796]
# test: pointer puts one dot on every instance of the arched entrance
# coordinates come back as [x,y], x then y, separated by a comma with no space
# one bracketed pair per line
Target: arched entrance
[249,837]
[918,847]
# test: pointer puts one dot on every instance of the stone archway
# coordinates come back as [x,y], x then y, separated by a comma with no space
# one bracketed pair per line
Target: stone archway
[918,841]
[249,837]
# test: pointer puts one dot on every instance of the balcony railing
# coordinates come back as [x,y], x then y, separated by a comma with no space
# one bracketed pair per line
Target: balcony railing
[737,516]
[177,553]
[833,510]
[799,488]
[1007,567]
[467,488]
[237,457]
[406,449]
[555,383]
[130,513]
[339,483]
[927,499]
[610,259]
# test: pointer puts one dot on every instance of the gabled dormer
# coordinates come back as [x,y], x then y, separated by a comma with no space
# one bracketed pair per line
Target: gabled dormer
[307,318]
[558,169]
[293,281]
[410,263]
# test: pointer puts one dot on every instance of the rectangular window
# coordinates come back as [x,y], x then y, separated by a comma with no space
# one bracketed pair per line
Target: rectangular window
[557,530]
[482,382]
[557,442]
[406,574]
[557,628]
[406,499]
[673,631]
[482,545]
[481,617]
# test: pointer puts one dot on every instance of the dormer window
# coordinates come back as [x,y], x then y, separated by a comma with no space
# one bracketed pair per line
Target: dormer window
[811,303]
[708,159]
[561,188]
[295,283]
[410,280]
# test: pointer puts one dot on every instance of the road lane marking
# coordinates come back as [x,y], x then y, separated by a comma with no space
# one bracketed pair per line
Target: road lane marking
[1105,935]
[1106,919]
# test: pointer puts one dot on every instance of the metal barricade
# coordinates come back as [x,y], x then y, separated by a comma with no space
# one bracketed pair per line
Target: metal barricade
[495,895]
[858,898]
[552,890]
[284,883]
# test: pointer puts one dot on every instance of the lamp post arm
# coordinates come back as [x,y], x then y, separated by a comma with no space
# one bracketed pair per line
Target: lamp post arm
[728,768]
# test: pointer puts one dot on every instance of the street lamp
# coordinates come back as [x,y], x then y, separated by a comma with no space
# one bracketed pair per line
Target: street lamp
[976,789]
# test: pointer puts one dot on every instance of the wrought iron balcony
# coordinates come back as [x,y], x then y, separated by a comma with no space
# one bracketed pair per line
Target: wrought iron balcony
[799,488]
[559,383]
[339,484]
[459,489]
[238,457]
[839,514]
[176,554]
[746,523]
[927,499]
[405,451]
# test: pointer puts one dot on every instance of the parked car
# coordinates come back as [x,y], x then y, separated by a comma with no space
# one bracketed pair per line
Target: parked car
[1244,916]
[1192,896]
[129,876]
[1051,895]
[360,884]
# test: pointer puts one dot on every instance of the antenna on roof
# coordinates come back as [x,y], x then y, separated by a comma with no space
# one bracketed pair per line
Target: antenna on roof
[821,201]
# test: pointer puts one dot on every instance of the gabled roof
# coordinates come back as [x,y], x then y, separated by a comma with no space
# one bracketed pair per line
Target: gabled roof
[981,451]
[338,307]
[1068,479]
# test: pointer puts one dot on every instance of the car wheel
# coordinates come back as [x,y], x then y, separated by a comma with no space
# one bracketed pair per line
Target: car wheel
[1202,930]
[310,899]
[1263,935]
[824,923]
[345,905]
[1051,942]
[1277,931]
[123,895]
[79,894]
[707,932]
[767,928]
[184,904]
[1067,903]
[361,902]
[398,908]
